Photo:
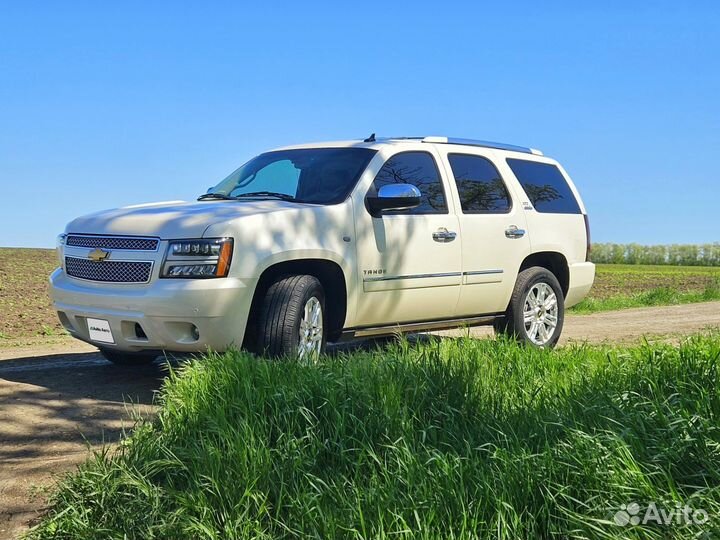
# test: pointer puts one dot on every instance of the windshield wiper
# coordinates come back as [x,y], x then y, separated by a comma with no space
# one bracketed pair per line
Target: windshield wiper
[216,196]
[282,196]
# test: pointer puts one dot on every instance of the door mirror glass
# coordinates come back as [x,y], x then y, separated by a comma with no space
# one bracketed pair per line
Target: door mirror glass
[394,197]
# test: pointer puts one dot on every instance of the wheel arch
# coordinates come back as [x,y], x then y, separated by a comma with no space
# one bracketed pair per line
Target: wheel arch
[327,271]
[553,261]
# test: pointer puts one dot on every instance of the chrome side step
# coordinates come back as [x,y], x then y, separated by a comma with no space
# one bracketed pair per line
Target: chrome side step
[424,326]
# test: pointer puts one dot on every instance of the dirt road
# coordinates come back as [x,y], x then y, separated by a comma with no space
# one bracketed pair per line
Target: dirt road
[57,400]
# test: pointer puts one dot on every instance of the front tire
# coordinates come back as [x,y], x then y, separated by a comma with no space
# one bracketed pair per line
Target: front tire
[536,312]
[292,318]
[128,359]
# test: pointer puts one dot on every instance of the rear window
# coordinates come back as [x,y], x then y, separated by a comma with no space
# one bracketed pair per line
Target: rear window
[545,186]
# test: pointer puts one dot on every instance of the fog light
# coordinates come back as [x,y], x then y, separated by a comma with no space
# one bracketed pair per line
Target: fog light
[195,333]
[139,332]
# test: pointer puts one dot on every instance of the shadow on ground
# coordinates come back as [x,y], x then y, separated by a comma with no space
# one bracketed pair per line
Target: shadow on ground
[51,408]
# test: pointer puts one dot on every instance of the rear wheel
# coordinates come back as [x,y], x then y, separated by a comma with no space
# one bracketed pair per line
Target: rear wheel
[292,318]
[128,358]
[536,312]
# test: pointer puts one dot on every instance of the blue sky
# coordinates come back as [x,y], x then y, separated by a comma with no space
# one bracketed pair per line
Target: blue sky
[103,105]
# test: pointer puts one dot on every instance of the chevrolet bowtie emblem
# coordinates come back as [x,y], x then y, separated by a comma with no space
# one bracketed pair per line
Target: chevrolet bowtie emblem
[98,255]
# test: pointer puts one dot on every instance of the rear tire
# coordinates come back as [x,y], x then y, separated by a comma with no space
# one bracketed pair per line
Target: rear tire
[127,358]
[536,311]
[291,321]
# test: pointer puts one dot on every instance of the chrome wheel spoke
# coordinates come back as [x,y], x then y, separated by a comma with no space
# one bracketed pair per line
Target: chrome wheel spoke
[542,332]
[530,300]
[530,329]
[311,329]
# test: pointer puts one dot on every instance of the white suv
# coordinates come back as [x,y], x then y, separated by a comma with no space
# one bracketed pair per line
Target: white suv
[321,242]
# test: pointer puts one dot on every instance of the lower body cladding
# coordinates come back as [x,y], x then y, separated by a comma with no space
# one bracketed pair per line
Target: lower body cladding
[169,314]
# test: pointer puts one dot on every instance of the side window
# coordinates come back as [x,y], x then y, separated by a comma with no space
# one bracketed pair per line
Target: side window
[420,170]
[481,189]
[545,186]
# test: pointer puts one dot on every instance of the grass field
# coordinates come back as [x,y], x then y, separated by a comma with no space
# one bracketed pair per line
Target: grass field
[445,439]
[27,311]
[619,286]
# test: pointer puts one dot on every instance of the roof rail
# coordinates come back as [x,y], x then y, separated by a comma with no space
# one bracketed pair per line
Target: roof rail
[484,144]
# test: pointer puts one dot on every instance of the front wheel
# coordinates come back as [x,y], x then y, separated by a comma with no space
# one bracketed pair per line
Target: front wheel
[536,312]
[292,318]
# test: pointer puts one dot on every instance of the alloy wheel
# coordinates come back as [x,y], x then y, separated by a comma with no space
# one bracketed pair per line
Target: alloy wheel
[540,313]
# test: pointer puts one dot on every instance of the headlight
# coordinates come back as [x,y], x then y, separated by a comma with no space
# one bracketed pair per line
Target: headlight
[59,243]
[201,258]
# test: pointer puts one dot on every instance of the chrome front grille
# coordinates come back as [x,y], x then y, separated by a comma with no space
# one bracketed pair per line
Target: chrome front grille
[109,271]
[132,243]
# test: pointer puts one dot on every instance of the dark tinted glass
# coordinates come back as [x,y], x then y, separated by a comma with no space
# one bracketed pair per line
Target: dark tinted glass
[314,175]
[479,185]
[420,170]
[545,187]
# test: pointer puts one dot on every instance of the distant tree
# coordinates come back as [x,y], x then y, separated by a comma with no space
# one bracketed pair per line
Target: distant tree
[671,254]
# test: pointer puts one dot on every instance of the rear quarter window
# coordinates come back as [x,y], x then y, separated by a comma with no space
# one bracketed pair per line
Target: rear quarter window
[545,186]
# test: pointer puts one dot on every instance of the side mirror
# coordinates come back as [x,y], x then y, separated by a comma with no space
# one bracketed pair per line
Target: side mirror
[393,197]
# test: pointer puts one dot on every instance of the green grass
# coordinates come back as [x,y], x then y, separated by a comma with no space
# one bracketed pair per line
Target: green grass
[620,286]
[644,269]
[661,296]
[447,439]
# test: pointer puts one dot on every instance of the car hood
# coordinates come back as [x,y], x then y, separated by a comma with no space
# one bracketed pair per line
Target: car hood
[175,219]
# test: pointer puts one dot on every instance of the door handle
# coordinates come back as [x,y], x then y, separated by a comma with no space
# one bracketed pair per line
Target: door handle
[513,232]
[443,235]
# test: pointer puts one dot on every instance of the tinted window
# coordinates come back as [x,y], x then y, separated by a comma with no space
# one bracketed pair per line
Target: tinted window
[314,175]
[420,170]
[545,187]
[479,185]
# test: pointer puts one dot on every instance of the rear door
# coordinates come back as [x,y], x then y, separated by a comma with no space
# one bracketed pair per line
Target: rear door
[493,231]
[409,273]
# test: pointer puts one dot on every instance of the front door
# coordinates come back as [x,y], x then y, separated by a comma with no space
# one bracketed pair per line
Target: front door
[409,261]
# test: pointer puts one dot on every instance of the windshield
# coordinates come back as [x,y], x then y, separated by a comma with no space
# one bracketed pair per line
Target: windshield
[311,175]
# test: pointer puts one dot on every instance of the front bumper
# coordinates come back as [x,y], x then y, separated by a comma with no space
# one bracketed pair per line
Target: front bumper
[173,314]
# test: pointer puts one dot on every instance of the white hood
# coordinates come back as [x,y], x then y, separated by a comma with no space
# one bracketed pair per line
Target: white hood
[174,219]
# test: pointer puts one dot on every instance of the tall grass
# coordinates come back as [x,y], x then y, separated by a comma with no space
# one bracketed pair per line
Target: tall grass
[445,439]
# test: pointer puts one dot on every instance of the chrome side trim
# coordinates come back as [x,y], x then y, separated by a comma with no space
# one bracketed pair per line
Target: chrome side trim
[411,276]
[482,272]
[418,326]
[442,274]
